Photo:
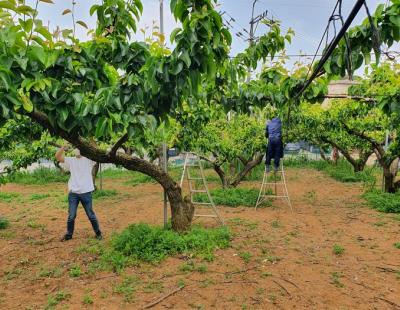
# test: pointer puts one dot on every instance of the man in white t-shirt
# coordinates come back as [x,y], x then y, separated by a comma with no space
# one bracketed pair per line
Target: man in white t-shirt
[80,188]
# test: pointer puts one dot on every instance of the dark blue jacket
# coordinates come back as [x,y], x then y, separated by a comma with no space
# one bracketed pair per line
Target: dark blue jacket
[274,128]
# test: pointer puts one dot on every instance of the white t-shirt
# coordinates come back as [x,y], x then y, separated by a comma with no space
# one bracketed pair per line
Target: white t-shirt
[81,180]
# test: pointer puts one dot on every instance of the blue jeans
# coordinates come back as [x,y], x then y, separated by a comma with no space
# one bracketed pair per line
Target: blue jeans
[73,202]
[274,151]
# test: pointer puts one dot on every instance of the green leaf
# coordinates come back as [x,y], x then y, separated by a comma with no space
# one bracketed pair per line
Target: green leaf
[186,58]
[14,101]
[44,32]
[83,24]
[67,11]
[94,8]
[27,104]
[395,19]
[7,5]
[100,127]
[47,1]
[64,114]
[174,34]
[25,10]
[177,68]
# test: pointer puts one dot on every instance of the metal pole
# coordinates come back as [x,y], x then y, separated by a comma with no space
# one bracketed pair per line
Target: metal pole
[164,146]
[251,39]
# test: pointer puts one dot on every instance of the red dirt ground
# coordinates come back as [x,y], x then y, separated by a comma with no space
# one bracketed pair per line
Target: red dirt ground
[291,263]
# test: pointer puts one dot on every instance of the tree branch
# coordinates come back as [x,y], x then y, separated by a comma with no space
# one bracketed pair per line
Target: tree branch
[119,143]
[378,147]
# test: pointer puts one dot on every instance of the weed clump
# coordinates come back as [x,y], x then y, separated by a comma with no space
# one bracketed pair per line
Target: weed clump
[383,202]
[4,223]
[152,244]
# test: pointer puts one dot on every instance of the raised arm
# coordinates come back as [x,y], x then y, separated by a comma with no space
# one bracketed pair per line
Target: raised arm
[266,131]
[60,155]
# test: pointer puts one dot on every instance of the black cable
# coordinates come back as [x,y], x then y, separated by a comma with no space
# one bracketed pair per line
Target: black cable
[326,33]
[376,42]
[349,61]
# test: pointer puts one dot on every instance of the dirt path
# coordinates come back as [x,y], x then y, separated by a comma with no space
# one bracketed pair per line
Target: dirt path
[278,259]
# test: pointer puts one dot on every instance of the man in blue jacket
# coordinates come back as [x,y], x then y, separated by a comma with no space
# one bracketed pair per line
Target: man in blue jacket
[273,132]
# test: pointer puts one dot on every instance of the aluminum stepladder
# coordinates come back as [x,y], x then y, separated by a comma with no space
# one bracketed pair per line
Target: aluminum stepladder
[267,184]
[192,160]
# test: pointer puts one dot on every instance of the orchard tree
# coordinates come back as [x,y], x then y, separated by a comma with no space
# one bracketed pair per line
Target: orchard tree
[25,142]
[108,88]
[319,126]
[225,142]
[381,88]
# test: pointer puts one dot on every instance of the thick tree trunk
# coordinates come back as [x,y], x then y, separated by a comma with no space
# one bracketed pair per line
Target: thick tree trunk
[182,210]
[389,176]
[222,175]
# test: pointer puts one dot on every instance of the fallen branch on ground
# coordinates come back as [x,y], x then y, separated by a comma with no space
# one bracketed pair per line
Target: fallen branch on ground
[162,298]
[281,286]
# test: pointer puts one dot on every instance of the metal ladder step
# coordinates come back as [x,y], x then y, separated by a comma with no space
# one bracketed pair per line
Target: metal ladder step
[198,175]
[202,203]
[198,191]
[204,215]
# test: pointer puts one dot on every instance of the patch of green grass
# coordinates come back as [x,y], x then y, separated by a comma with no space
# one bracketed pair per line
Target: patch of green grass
[39,176]
[142,242]
[383,202]
[191,266]
[246,256]
[75,272]
[276,224]
[272,259]
[93,247]
[397,245]
[104,193]
[34,225]
[187,267]
[343,171]
[231,197]
[266,275]
[54,300]
[310,197]
[87,299]
[335,279]
[4,223]
[153,286]
[50,272]
[338,249]
[8,197]
[115,173]
[39,196]
[12,273]
[139,178]
[127,287]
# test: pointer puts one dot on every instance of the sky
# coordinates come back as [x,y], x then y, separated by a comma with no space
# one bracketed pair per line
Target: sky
[308,18]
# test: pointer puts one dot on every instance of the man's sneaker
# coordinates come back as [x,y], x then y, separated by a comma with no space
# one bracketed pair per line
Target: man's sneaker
[66,237]
[99,236]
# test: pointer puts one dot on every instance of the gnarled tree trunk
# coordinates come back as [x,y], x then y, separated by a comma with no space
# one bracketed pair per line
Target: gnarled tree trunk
[233,178]
[248,166]
[389,176]
[182,210]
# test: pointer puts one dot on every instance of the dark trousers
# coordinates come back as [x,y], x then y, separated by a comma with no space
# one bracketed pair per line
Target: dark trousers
[73,202]
[274,151]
